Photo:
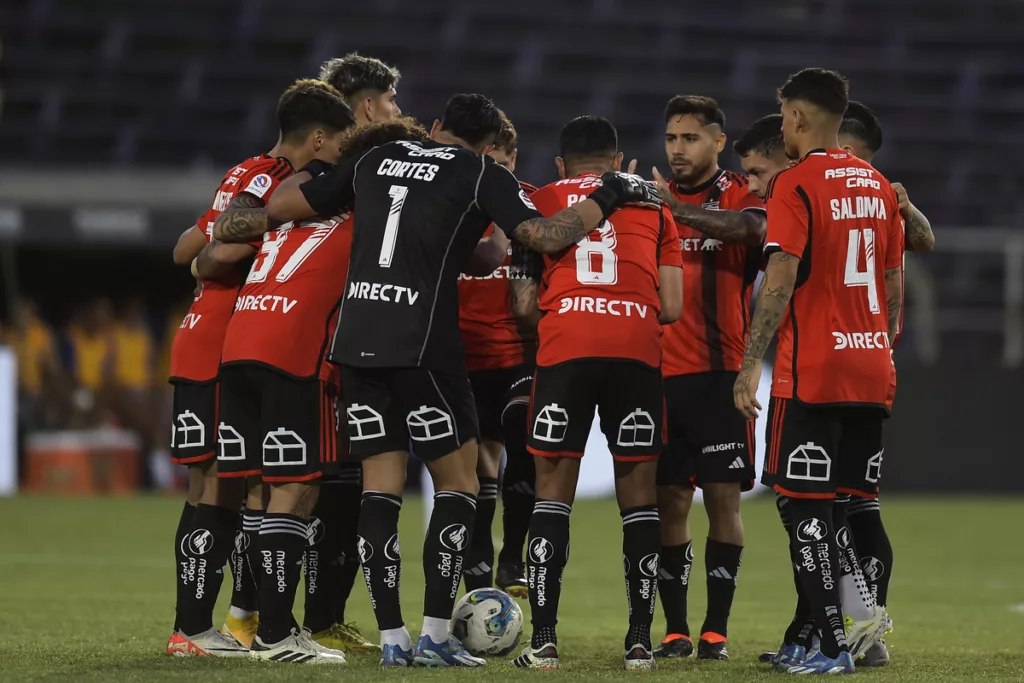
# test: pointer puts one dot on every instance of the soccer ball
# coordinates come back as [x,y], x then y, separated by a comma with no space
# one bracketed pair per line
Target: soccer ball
[488,622]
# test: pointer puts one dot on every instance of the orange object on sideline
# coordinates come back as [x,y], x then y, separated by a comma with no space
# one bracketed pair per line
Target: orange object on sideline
[104,461]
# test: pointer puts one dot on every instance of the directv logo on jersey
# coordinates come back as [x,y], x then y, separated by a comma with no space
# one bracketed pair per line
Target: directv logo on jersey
[374,291]
[590,304]
[264,302]
[860,340]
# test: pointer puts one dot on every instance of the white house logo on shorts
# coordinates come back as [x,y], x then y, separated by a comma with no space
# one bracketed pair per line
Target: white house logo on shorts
[259,185]
[283,447]
[843,538]
[811,530]
[364,423]
[874,469]
[315,531]
[188,431]
[551,423]
[872,568]
[649,565]
[392,551]
[231,443]
[198,542]
[455,537]
[365,550]
[809,462]
[429,424]
[541,550]
[637,429]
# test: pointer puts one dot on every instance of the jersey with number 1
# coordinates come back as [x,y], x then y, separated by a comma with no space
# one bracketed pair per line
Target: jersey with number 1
[600,296]
[195,353]
[841,218]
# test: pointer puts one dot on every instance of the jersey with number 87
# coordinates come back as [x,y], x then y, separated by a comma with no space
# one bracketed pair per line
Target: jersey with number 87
[841,218]
[600,296]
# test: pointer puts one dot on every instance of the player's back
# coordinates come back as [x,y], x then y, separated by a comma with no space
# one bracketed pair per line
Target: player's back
[600,296]
[841,217]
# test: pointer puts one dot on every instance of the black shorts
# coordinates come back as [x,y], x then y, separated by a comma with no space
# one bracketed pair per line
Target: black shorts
[495,390]
[818,451]
[628,398]
[194,422]
[389,407]
[275,426]
[709,441]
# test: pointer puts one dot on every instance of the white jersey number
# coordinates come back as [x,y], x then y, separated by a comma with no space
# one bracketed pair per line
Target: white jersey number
[596,262]
[387,248]
[862,278]
[272,243]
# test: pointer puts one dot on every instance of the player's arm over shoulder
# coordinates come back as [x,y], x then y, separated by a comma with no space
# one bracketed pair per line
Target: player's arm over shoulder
[217,258]
[740,220]
[919,234]
[526,269]
[670,272]
[246,217]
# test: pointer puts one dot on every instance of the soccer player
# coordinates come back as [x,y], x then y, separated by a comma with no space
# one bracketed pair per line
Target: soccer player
[398,342]
[499,357]
[721,228]
[603,304]
[367,85]
[312,119]
[834,246]
[761,152]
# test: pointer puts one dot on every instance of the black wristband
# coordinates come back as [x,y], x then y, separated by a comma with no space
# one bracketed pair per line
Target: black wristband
[607,198]
[317,167]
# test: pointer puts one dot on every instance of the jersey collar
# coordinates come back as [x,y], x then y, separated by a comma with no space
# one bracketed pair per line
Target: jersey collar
[703,187]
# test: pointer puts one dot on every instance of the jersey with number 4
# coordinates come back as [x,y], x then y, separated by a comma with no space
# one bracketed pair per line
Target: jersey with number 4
[196,351]
[600,297]
[287,309]
[841,218]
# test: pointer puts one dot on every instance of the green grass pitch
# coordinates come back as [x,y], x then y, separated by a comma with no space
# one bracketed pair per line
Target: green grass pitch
[86,594]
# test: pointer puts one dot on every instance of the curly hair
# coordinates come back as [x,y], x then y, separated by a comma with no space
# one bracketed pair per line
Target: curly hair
[362,139]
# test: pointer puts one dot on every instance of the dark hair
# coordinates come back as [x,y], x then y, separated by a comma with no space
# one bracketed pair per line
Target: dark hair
[362,139]
[827,89]
[705,109]
[763,136]
[354,73]
[588,136]
[307,104]
[473,118]
[508,139]
[862,123]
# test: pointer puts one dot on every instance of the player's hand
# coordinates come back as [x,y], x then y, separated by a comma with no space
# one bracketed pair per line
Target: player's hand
[663,189]
[902,196]
[631,189]
[744,392]
[631,169]
[342,217]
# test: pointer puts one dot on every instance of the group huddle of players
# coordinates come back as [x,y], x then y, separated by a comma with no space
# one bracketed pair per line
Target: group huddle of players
[404,280]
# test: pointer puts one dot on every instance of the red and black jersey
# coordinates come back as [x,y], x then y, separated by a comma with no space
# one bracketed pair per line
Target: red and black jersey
[489,330]
[841,218]
[195,353]
[717,281]
[287,309]
[600,296]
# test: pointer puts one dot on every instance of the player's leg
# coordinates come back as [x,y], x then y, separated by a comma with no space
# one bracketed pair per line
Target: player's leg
[803,449]
[675,499]
[561,414]
[488,392]
[517,494]
[631,409]
[242,618]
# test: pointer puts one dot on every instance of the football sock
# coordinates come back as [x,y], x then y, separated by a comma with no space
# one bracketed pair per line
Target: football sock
[873,547]
[208,547]
[517,493]
[448,536]
[546,555]
[801,628]
[641,545]
[814,544]
[244,560]
[188,512]
[676,561]
[722,561]
[322,561]
[479,571]
[853,589]
[380,555]
[436,629]
[350,489]
[396,636]
[282,545]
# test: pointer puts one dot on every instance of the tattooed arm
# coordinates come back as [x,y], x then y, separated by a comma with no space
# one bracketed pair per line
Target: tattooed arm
[919,235]
[245,219]
[551,235]
[741,227]
[217,258]
[894,300]
[525,307]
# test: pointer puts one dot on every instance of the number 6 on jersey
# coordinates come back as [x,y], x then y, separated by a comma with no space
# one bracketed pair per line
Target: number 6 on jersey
[387,248]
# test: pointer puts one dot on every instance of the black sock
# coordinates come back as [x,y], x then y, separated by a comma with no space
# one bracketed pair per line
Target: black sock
[546,555]
[801,628]
[865,520]
[180,558]
[380,555]
[814,542]
[322,560]
[517,493]
[349,486]
[444,548]
[676,561]
[722,561]
[207,548]
[244,561]
[479,570]
[282,544]
[641,546]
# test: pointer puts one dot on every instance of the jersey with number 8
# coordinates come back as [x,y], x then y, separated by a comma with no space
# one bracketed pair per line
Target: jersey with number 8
[841,218]
[600,297]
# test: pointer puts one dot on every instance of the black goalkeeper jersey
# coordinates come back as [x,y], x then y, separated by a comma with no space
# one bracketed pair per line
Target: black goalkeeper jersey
[420,208]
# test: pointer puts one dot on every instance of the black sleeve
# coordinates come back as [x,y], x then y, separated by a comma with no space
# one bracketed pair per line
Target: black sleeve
[526,264]
[329,193]
[501,198]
